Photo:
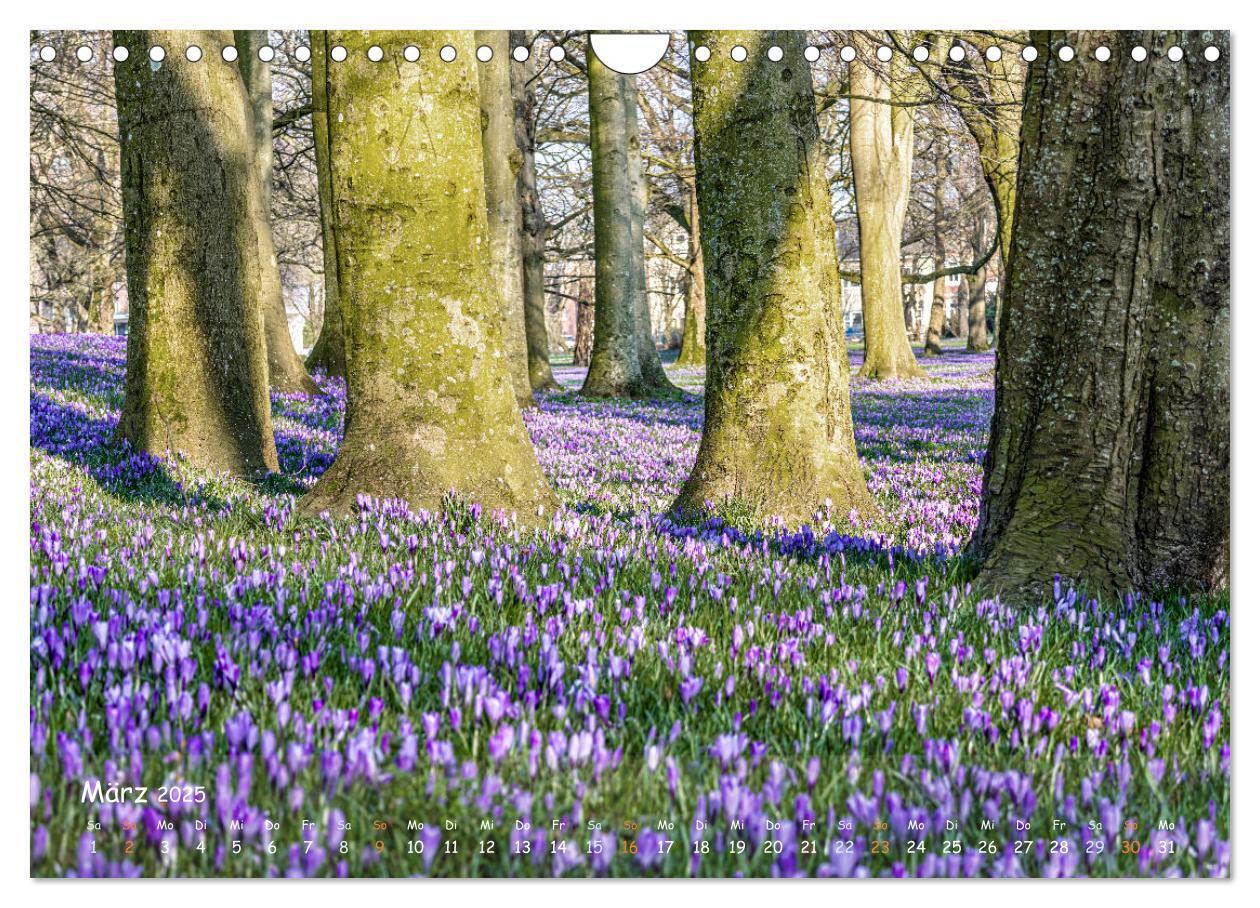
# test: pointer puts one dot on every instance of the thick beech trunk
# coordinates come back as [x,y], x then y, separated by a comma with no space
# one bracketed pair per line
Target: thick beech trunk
[1109,454]
[429,403]
[284,367]
[977,316]
[533,231]
[192,209]
[778,436]
[616,367]
[502,164]
[881,143]
[329,352]
[691,353]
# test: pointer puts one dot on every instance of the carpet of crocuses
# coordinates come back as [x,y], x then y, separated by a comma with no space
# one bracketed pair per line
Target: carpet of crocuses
[618,694]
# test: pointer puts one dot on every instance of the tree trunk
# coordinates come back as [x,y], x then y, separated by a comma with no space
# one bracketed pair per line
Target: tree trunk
[778,436]
[881,143]
[502,163]
[285,370]
[329,352]
[192,206]
[584,331]
[533,227]
[616,367]
[650,366]
[429,403]
[977,317]
[691,353]
[936,321]
[1109,454]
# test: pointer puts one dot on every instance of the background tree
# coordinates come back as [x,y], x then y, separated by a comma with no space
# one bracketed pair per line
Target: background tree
[285,370]
[1110,442]
[502,165]
[532,225]
[778,435]
[429,403]
[329,352]
[882,148]
[193,213]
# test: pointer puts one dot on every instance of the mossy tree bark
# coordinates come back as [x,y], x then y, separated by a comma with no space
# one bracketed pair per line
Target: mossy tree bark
[1109,459]
[192,208]
[650,366]
[329,351]
[285,370]
[502,164]
[533,230]
[881,144]
[616,367]
[691,354]
[429,404]
[778,435]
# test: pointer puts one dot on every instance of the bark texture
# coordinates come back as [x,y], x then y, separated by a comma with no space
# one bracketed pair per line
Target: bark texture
[1109,459]
[533,231]
[192,206]
[616,367]
[429,403]
[936,318]
[778,435]
[284,367]
[503,208]
[329,352]
[881,143]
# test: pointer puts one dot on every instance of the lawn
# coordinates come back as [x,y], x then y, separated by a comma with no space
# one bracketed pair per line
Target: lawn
[448,694]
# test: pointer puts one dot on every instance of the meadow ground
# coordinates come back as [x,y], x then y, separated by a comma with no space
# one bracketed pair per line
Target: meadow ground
[613,695]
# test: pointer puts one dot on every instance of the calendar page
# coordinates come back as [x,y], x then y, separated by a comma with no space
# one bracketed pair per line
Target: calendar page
[691,454]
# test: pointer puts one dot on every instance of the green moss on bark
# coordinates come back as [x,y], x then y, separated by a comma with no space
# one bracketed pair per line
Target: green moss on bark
[778,435]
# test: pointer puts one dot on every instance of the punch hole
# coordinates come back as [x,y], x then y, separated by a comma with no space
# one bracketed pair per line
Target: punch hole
[1029,53]
[775,53]
[921,53]
[192,53]
[229,54]
[556,53]
[302,53]
[157,53]
[411,53]
[847,54]
[338,53]
[1175,53]
[884,54]
[993,53]
[121,54]
[520,53]
[1102,54]
[956,53]
[1211,53]
[739,53]
[375,54]
[266,53]
[1139,53]
[447,53]
[812,54]
[485,53]
[1066,54]
[702,53]
[48,53]
[84,53]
